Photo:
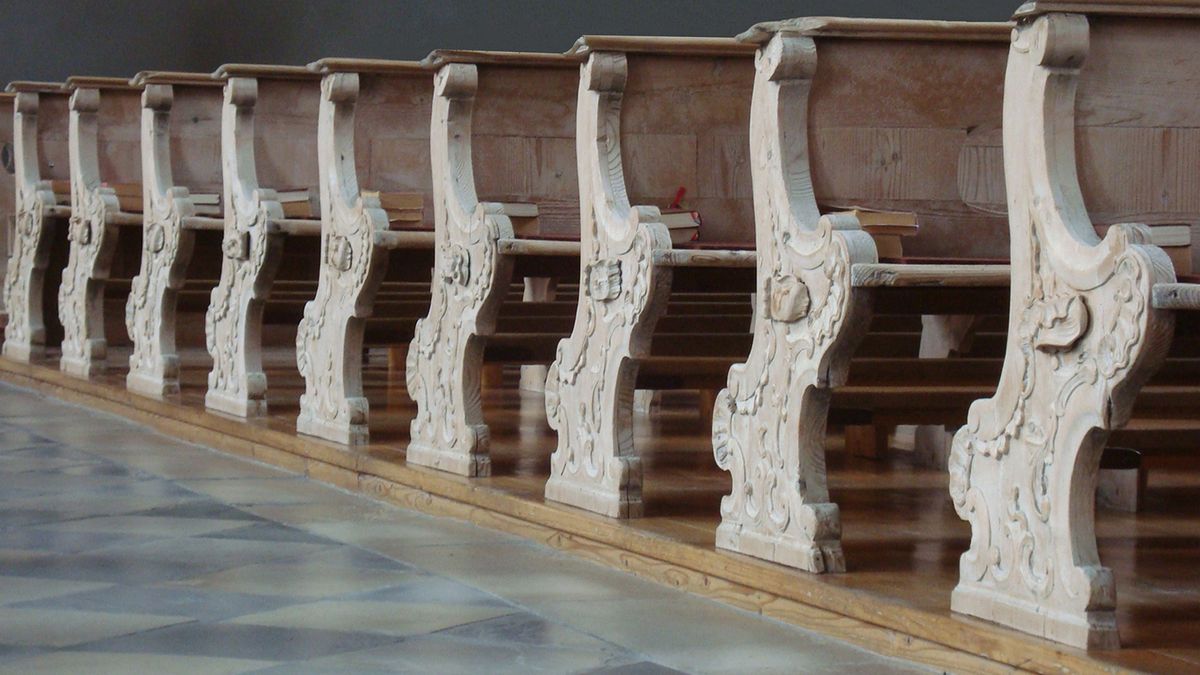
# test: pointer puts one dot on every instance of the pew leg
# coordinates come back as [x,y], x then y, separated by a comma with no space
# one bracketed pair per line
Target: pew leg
[537,289]
[237,384]
[25,279]
[81,294]
[942,336]
[445,369]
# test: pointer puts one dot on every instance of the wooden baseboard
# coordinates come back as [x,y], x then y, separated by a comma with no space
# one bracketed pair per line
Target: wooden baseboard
[873,621]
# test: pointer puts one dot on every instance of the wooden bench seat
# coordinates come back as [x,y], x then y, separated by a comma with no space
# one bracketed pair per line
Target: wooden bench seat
[1098,117]
[40,155]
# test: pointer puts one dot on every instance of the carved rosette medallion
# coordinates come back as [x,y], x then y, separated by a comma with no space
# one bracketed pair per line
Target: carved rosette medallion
[769,423]
[1082,339]
[590,385]
[329,338]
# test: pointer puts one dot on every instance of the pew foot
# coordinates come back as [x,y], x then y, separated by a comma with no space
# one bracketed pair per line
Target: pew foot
[90,360]
[615,501]
[232,404]
[352,434]
[817,556]
[24,352]
[151,384]
[472,464]
[1084,629]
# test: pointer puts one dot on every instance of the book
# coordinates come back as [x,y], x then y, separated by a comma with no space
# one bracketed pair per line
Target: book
[683,224]
[1166,236]
[885,227]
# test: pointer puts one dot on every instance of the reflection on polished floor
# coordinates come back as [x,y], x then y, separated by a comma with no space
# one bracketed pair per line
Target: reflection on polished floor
[123,551]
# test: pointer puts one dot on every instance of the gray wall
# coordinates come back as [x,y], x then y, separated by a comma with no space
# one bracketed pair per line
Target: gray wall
[51,39]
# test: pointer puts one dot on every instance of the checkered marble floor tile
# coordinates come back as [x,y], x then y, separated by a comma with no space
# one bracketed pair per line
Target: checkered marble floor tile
[123,551]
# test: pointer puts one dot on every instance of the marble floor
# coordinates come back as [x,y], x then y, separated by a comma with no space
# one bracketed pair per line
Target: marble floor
[125,551]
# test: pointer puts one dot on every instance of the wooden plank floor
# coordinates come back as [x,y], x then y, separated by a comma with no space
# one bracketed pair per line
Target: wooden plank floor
[901,536]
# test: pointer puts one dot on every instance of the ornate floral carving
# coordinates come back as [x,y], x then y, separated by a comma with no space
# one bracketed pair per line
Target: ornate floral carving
[769,424]
[590,385]
[446,355]
[1022,471]
[329,338]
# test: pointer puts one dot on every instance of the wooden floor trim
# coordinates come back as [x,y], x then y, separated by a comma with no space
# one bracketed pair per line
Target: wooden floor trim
[813,602]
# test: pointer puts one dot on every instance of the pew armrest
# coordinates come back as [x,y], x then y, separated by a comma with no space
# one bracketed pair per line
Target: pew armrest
[876,275]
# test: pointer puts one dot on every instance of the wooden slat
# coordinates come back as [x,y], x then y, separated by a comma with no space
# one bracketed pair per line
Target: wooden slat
[881,29]
[680,46]
[175,78]
[705,258]
[873,275]
[1149,8]
[265,71]
[1177,296]
[376,66]
[405,239]
[544,247]
[439,57]
[92,82]
[23,86]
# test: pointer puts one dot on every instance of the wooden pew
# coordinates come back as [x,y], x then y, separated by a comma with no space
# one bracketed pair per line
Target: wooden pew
[653,114]
[373,138]
[40,155]
[181,160]
[502,124]
[105,170]
[1099,127]
[844,111]
[268,144]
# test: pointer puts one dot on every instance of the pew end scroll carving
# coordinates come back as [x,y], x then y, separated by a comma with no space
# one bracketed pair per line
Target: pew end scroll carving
[1083,338]
[590,385]
[470,276]
[769,423]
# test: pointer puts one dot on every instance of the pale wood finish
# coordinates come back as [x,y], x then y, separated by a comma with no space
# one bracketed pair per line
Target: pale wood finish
[1083,334]
[180,141]
[874,275]
[103,143]
[1177,296]
[40,130]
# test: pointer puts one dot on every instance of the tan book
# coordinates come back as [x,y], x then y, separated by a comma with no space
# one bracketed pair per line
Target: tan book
[400,201]
[683,224]
[1165,236]
[299,203]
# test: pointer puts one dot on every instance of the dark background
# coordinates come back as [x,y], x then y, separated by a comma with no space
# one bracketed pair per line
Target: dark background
[51,39]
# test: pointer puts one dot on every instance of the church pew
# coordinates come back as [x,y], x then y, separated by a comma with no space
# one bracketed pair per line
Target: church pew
[181,160]
[373,139]
[1098,125]
[268,146]
[40,155]
[502,127]
[891,115]
[106,172]
[653,114]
